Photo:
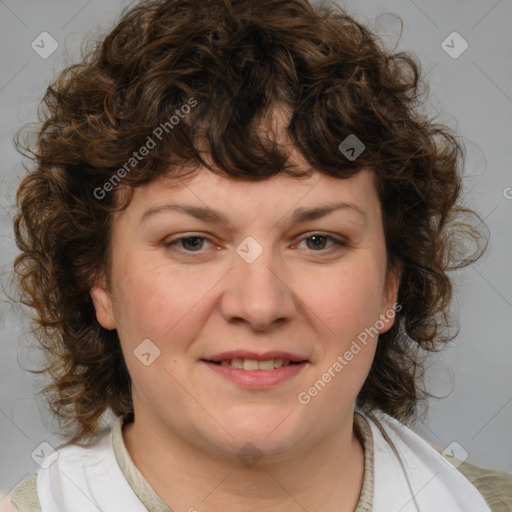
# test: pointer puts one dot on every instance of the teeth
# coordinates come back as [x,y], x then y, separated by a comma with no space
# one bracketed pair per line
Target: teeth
[237,363]
[265,365]
[250,364]
[253,364]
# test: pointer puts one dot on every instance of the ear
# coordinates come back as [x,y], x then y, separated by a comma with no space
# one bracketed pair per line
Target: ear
[103,304]
[389,306]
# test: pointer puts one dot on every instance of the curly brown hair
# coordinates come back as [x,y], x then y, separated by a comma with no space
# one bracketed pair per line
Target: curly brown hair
[238,60]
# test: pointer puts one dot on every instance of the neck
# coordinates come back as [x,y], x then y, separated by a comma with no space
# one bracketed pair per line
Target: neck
[327,476]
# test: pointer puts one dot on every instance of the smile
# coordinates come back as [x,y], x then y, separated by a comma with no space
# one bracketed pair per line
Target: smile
[255,374]
[254,364]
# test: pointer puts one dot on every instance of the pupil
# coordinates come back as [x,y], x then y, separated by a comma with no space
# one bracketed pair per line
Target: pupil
[193,245]
[318,238]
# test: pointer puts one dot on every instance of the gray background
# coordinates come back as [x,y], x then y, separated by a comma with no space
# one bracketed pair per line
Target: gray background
[472,93]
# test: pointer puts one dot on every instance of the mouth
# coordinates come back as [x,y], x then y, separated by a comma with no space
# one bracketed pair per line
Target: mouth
[254,364]
[256,371]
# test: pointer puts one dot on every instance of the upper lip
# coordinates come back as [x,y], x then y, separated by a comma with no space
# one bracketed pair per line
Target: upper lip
[247,354]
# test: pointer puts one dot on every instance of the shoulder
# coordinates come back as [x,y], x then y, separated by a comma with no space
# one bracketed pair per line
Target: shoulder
[24,495]
[494,486]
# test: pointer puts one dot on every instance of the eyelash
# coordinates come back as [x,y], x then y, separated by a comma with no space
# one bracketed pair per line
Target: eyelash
[338,243]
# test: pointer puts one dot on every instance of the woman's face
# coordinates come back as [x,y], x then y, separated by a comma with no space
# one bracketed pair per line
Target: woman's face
[215,274]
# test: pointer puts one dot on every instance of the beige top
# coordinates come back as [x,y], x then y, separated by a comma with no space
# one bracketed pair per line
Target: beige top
[494,486]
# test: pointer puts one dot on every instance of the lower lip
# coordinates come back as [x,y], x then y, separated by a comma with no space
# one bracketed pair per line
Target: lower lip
[257,379]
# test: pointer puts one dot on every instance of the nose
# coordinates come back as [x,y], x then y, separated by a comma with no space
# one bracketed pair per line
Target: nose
[258,293]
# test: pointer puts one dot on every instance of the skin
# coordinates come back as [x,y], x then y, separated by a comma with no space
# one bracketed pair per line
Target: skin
[298,296]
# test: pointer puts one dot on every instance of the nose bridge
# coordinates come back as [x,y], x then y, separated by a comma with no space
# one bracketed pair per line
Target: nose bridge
[257,292]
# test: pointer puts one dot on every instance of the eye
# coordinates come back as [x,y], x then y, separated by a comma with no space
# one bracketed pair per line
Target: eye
[319,241]
[188,243]
[316,242]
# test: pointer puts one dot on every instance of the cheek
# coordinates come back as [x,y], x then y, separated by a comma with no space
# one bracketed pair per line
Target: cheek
[140,293]
[157,301]
[347,300]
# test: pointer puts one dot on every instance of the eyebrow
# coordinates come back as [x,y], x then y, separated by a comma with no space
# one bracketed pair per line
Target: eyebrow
[216,217]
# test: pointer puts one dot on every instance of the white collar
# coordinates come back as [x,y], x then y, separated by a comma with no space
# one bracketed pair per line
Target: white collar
[409,476]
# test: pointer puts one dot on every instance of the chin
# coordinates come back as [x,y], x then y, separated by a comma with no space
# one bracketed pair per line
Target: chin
[271,435]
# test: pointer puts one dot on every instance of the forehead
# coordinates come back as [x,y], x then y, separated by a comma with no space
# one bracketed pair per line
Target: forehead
[220,199]
[282,190]
[279,190]
[201,185]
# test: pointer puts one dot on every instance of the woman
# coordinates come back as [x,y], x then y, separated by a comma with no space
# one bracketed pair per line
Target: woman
[237,238]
